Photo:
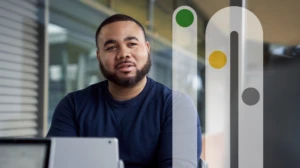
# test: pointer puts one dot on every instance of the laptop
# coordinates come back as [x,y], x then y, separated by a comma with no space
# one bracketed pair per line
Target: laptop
[25,153]
[86,152]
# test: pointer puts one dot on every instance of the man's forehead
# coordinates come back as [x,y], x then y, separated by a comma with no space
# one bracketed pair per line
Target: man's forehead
[120,29]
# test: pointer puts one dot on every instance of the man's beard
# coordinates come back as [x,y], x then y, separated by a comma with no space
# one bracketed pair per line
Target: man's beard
[129,81]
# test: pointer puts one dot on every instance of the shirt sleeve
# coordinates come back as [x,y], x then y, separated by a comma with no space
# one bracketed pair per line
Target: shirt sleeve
[63,121]
[180,143]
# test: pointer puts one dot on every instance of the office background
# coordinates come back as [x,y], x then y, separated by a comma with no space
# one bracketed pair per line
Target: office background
[47,49]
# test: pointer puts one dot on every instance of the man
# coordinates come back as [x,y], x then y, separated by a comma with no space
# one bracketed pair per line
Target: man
[128,105]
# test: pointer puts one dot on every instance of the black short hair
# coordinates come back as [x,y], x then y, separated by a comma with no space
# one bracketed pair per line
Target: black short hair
[117,18]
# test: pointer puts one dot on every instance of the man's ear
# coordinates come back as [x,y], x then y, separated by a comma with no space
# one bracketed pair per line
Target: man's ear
[98,54]
[148,46]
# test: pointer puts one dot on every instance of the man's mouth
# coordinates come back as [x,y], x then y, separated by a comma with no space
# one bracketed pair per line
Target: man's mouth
[125,67]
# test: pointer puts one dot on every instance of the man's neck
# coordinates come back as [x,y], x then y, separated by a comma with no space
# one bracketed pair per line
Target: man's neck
[126,93]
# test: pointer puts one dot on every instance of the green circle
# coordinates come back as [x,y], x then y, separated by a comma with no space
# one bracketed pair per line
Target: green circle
[184,18]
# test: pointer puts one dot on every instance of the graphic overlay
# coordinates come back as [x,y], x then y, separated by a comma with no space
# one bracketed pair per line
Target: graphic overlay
[234,88]
[184,67]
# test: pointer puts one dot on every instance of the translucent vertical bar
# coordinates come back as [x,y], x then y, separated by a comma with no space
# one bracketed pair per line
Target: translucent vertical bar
[250,89]
[184,74]
[217,91]
[251,94]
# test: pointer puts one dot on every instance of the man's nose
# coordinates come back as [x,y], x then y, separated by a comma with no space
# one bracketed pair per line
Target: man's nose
[123,53]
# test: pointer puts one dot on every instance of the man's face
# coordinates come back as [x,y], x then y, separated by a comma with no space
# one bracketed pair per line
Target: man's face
[123,53]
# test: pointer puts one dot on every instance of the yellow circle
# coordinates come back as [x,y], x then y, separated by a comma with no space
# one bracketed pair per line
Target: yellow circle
[217,59]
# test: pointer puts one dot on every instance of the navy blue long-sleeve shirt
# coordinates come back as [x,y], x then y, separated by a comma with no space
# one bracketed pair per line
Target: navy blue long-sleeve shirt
[143,125]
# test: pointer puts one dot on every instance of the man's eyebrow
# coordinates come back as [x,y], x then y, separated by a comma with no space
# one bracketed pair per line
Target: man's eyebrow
[130,38]
[125,39]
[109,42]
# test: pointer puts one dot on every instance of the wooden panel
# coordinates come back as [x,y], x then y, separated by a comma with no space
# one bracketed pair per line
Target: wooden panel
[17,116]
[18,26]
[17,108]
[18,132]
[32,1]
[17,91]
[17,100]
[17,124]
[18,75]
[17,50]
[18,83]
[17,34]
[18,67]
[17,59]
[17,42]
[17,9]
[16,17]
[24,4]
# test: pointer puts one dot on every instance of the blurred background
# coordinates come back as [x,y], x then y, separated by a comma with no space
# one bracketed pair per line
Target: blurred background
[47,49]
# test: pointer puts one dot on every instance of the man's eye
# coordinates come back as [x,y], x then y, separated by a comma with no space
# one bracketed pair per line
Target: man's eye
[132,44]
[110,48]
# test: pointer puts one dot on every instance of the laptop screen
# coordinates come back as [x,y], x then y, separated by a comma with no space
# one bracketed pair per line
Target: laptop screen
[24,153]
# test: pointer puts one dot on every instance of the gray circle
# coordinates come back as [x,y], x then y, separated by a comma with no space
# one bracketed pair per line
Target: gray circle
[250,96]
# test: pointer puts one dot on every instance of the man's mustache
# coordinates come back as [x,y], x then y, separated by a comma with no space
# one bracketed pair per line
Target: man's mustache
[122,62]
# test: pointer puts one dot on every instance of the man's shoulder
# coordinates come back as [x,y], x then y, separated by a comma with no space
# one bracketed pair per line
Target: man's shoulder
[89,91]
[160,88]
[159,91]
[177,97]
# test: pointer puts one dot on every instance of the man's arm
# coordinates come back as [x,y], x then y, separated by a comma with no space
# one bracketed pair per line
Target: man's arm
[180,144]
[63,121]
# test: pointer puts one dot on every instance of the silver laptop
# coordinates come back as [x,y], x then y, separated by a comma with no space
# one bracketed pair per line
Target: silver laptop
[85,152]
[24,153]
